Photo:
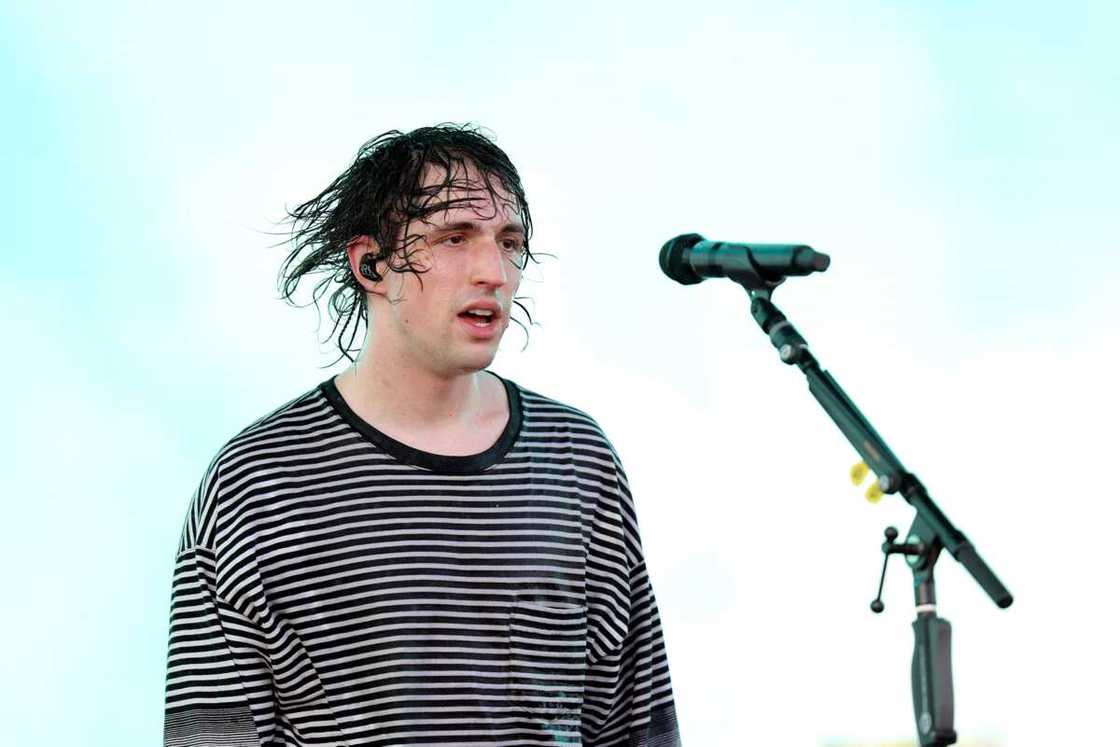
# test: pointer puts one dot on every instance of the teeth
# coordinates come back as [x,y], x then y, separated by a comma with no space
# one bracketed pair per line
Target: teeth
[482,312]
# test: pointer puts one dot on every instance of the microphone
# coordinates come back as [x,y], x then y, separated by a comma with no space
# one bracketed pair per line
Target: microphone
[690,258]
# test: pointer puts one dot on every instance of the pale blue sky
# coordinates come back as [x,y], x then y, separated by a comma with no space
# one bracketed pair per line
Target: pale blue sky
[956,159]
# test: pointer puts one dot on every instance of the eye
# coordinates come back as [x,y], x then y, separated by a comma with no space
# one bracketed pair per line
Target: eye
[455,239]
[515,250]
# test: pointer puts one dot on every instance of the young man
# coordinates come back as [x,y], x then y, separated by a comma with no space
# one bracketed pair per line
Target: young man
[417,551]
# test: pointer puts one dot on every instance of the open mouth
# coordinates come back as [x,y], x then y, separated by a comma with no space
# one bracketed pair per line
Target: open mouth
[479,318]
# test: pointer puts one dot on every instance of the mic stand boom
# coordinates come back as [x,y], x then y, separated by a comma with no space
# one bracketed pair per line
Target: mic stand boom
[931,531]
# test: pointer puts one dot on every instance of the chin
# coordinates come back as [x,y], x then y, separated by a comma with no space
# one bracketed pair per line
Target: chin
[473,364]
[483,363]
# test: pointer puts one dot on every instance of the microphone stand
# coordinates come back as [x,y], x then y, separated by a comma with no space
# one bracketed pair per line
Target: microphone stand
[931,675]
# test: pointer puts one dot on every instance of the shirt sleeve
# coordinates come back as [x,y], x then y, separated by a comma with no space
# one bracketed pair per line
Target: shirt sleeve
[628,699]
[219,688]
[639,694]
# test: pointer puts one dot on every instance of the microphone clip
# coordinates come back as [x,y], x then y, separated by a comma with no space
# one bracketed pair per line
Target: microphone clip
[791,346]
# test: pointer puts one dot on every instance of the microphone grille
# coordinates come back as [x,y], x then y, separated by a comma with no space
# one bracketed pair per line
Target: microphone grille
[674,261]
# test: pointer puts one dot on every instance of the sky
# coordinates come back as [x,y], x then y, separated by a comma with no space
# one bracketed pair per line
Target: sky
[955,159]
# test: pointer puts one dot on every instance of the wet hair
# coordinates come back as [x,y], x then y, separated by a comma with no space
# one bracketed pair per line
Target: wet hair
[380,195]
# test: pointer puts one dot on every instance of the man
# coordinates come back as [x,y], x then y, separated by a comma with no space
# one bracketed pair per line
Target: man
[417,551]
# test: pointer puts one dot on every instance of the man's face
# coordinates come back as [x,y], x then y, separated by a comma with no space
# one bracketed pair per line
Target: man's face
[472,252]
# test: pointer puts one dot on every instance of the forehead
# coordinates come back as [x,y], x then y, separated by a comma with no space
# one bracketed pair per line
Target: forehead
[464,190]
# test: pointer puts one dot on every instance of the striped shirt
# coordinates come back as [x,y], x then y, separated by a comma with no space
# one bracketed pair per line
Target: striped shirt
[334,586]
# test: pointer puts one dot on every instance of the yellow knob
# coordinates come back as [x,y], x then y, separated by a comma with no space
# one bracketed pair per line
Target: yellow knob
[874,492]
[858,472]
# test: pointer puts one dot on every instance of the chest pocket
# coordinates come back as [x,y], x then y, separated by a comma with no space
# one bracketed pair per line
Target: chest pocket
[547,659]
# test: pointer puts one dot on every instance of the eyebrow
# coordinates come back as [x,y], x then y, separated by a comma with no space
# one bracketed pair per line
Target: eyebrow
[469,225]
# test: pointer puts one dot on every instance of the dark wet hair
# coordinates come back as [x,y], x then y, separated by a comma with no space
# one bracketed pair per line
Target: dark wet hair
[379,195]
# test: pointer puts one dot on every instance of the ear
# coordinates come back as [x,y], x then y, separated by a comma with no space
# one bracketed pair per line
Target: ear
[358,248]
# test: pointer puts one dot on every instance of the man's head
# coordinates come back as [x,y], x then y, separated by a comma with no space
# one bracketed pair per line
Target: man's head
[401,191]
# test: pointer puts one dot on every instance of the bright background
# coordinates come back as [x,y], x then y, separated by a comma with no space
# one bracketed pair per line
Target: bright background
[956,159]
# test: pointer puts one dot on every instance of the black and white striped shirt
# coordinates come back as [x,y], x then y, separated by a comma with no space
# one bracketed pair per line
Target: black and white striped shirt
[334,586]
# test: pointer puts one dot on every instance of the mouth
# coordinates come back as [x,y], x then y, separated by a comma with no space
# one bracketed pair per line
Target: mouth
[482,321]
[484,315]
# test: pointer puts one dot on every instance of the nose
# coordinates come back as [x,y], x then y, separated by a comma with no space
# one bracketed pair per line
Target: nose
[490,266]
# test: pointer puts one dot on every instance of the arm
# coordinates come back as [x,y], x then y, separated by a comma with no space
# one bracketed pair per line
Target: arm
[219,686]
[628,699]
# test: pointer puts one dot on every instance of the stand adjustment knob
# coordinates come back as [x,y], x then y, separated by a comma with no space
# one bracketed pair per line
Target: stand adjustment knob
[890,547]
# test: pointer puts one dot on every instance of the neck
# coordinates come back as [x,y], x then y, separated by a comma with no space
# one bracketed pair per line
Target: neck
[457,417]
[391,393]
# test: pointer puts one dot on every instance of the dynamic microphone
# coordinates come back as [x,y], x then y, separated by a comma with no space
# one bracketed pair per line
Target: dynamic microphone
[690,258]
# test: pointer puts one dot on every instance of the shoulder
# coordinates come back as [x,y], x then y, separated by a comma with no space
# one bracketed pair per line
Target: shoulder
[550,421]
[552,426]
[299,425]
[291,423]
[543,411]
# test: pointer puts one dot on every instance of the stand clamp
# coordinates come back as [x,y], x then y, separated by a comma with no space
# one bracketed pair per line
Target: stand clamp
[931,670]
